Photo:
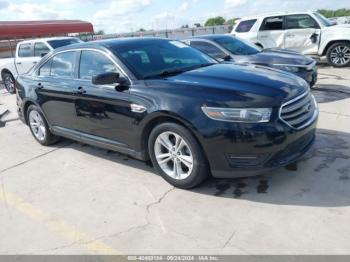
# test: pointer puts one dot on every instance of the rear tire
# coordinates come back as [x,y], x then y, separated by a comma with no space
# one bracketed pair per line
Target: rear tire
[39,127]
[177,156]
[9,82]
[338,55]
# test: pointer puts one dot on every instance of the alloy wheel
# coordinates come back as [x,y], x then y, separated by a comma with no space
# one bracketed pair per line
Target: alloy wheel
[37,125]
[173,155]
[9,83]
[340,55]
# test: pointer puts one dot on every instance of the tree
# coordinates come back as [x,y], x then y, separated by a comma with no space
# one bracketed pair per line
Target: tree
[100,32]
[184,26]
[197,25]
[142,30]
[232,21]
[334,13]
[219,20]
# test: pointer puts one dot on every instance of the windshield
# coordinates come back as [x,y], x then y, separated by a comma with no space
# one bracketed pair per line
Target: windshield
[62,42]
[159,58]
[237,46]
[323,20]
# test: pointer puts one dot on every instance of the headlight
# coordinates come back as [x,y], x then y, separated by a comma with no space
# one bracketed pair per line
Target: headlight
[292,69]
[248,115]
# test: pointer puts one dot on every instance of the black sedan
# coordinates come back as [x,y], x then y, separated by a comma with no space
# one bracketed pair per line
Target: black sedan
[165,101]
[229,48]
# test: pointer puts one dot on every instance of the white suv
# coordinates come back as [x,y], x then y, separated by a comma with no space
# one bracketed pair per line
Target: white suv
[307,32]
[28,53]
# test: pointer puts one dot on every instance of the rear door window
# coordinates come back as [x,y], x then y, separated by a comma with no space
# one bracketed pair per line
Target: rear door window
[63,65]
[40,49]
[272,23]
[25,50]
[245,26]
[45,70]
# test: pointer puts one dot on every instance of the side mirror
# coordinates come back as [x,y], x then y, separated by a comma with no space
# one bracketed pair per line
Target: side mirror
[226,58]
[111,78]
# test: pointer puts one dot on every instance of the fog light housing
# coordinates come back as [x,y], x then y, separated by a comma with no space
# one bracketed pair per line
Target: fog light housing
[236,160]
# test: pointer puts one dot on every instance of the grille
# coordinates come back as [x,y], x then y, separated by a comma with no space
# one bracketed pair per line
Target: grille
[300,111]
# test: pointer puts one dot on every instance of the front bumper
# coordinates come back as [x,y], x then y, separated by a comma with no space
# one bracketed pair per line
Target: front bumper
[310,76]
[240,150]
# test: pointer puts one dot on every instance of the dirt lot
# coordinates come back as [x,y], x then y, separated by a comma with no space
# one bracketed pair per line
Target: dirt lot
[76,199]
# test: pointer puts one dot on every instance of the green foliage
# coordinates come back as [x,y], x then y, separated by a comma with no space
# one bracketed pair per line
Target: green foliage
[334,13]
[219,20]
[100,32]
[231,21]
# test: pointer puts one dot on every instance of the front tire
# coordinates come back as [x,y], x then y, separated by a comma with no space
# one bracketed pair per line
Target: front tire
[39,127]
[9,82]
[338,55]
[177,156]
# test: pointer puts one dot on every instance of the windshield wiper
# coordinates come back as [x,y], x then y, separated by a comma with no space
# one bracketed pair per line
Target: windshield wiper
[166,73]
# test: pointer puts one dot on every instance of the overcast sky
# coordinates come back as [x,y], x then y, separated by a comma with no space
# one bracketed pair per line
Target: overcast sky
[115,16]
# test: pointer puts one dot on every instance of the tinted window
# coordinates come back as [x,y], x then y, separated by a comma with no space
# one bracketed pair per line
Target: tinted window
[237,46]
[40,49]
[208,49]
[62,42]
[273,23]
[300,22]
[324,21]
[245,26]
[45,69]
[154,57]
[25,50]
[94,63]
[63,65]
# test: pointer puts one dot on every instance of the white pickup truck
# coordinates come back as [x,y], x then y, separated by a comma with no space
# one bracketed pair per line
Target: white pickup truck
[28,53]
[307,32]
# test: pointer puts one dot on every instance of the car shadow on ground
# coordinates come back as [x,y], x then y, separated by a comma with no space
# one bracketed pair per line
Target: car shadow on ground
[330,93]
[320,179]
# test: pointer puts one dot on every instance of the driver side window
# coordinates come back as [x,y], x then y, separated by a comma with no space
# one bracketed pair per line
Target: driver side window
[93,63]
[300,22]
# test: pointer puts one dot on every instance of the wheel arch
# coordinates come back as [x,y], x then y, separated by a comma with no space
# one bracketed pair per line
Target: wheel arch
[166,117]
[26,105]
[332,42]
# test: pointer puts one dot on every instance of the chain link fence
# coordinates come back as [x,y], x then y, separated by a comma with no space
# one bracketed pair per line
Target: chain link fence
[170,33]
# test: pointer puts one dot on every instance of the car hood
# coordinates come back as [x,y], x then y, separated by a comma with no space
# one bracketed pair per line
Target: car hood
[244,82]
[275,56]
[342,29]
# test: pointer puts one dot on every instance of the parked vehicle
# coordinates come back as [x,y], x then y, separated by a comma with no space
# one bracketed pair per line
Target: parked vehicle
[307,32]
[28,53]
[162,100]
[227,48]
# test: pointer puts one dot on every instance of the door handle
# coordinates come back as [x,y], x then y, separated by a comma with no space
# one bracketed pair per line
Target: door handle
[19,63]
[290,35]
[80,91]
[35,62]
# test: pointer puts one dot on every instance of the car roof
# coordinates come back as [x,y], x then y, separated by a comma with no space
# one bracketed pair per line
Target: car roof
[111,43]
[48,39]
[209,37]
[263,15]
